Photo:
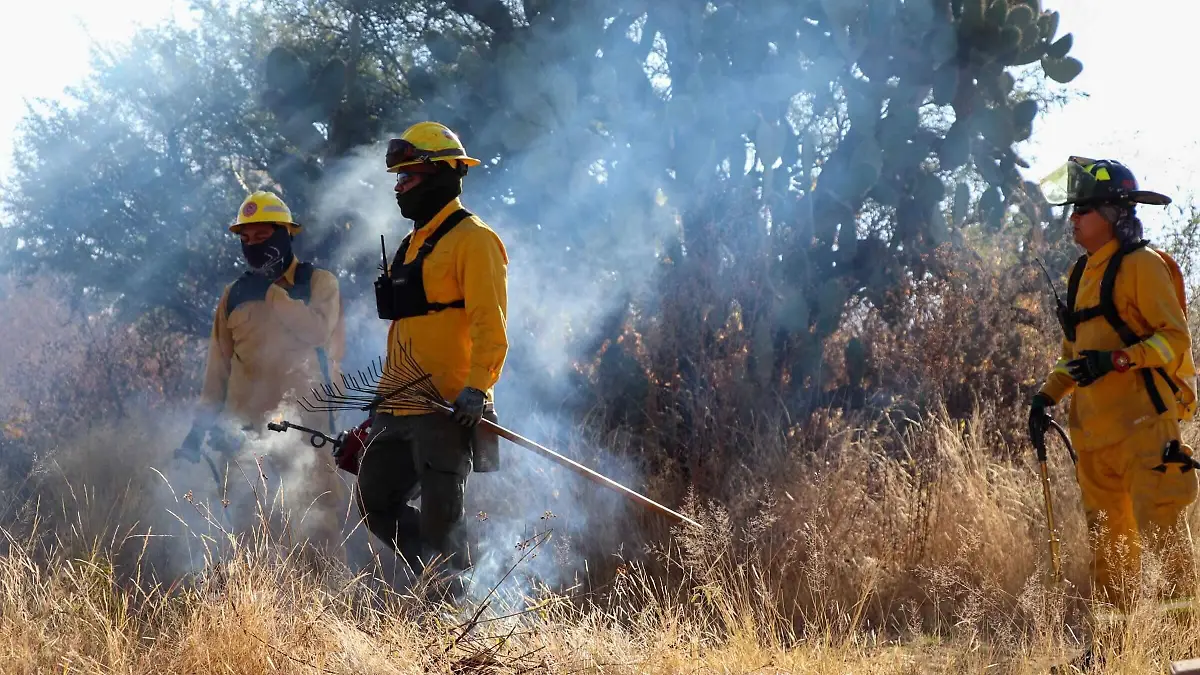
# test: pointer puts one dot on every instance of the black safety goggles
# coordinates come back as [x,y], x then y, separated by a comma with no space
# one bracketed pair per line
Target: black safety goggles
[400,151]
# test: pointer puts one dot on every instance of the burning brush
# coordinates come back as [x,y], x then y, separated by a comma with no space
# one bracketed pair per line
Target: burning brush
[404,385]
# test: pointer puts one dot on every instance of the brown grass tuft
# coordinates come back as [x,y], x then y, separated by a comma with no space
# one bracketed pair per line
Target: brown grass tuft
[852,559]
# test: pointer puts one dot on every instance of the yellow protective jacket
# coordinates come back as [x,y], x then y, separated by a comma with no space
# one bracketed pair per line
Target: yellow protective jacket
[458,347]
[266,351]
[1145,295]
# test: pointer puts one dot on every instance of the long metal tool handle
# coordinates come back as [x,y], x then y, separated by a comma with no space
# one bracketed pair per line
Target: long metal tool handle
[574,466]
[1055,555]
[1055,560]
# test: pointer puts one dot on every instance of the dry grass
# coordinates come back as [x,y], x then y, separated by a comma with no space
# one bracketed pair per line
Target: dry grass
[856,558]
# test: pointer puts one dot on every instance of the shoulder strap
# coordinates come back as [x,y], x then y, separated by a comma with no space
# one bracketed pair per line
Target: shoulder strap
[451,221]
[447,225]
[240,291]
[1073,318]
[1108,306]
[1107,303]
[302,287]
[1073,281]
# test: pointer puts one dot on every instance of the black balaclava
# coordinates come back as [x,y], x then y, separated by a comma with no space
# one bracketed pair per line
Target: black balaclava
[1127,227]
[423,202]
[272,256]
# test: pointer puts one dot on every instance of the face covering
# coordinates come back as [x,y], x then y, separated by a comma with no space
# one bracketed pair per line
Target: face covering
[423,202]
[1127,227]
[271,257]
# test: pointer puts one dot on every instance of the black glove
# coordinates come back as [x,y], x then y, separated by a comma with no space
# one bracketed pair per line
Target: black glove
[190,448]
[1039,420]
[227,441]
[468,407]
[1090,366]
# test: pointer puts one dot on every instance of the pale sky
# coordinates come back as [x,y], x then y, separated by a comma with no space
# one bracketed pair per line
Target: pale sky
[1135,67]
[47,61]
[1137,60]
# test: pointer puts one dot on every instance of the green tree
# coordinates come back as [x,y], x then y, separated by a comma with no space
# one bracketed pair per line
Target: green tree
[784,160]
[128,185]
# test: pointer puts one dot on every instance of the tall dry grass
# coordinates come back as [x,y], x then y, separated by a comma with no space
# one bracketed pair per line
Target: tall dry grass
[852,557]
[870,536]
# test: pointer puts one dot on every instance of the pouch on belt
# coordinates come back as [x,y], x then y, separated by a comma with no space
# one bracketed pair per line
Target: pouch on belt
[485,445]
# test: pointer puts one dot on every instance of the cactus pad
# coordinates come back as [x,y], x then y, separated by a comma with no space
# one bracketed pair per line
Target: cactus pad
[1062,70]
[1024,112]
[285,71]
[997,13]
[1048,25]
[1059,48]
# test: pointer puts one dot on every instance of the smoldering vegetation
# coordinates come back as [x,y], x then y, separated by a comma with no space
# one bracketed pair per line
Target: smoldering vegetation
[772,267]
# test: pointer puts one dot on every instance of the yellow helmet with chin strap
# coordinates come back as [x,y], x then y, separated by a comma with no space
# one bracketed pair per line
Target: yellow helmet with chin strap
[264,207]
[425,143]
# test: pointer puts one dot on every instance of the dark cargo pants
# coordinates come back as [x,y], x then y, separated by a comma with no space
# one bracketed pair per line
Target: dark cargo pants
[406,451]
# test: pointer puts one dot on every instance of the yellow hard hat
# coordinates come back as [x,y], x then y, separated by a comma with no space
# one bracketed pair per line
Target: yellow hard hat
[264,207]
[427,142]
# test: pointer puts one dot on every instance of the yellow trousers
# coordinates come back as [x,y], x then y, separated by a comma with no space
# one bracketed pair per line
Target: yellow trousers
[1129,506]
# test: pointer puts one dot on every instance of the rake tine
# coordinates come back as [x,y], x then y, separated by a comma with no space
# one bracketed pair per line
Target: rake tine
[351,382]
[383,378]
[355,400]
[418,393]
[356,396]
[336,400]
[310,408]
[397,383]
[370,385]
[405,389]
[330,393]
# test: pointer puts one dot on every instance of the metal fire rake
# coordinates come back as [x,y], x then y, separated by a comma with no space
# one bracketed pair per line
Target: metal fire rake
[403,385]
[1048,502]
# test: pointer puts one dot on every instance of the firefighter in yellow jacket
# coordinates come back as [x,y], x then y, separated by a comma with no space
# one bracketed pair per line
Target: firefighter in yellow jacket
[277,332]
[1127,360]
[447,303]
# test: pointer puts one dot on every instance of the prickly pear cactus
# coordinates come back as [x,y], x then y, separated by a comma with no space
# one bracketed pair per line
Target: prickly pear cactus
[962,55]
[301,94]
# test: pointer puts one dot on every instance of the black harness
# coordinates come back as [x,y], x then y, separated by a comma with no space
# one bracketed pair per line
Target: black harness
[243,290]
[1107,309]
[405,296]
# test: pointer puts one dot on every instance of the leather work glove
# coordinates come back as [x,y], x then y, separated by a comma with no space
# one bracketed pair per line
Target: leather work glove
[190,448]
[1093,365]
[227,441]
[1039,420]
[468,407]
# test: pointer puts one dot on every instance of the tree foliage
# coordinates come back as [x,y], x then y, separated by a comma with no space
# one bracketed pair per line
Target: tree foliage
[785,159]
